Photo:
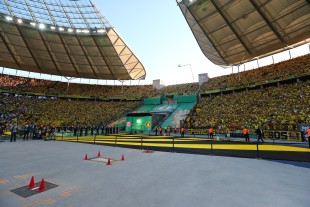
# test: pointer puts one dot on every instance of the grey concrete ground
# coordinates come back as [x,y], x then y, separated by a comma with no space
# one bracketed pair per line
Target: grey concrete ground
[147,179]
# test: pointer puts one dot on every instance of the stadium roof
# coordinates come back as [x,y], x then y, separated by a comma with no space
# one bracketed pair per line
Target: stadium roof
[66,38]
[231,32]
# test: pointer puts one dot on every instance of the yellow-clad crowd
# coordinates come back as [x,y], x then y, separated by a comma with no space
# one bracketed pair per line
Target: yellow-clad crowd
[282,70]
[275,107]
[58,112]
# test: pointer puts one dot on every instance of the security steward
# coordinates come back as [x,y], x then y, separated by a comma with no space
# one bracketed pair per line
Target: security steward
[246,134]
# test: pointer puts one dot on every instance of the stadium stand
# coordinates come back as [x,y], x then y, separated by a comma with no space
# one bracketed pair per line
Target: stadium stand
[294,67]
[277,107]
[75,103]
[60,112]
[32,85]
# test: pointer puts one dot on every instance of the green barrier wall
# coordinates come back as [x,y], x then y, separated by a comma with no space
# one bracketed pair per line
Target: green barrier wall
[138,123]
[152,101]
[185,98]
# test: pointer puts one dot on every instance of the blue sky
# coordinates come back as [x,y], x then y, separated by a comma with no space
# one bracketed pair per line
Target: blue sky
[159,35]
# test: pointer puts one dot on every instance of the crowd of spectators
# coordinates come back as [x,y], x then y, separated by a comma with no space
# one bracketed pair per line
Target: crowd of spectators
[278,107]
[22,84]
[247,108]
[282,70]
[60,112]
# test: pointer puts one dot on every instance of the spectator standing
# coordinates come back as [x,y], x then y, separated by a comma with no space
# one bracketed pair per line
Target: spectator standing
[14,130]
[259,133]
[34,132]
[1,129]
[76,128]
[92,130]
[227,133]
[51,133]
[86,130]
[97,130]
[102,129]
[26,132]
[43,132]
[81,131]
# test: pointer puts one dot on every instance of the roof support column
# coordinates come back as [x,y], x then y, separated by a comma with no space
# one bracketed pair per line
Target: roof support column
[2,36]
[232,28]
[259,10]
[68,53]
[103,58]
[29,49]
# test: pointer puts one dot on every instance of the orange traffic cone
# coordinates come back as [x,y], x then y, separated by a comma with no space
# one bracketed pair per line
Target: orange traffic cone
[99,154]
[31,184]
[86,158]
[123,158]
[42,186]
[147,150]
[109,162]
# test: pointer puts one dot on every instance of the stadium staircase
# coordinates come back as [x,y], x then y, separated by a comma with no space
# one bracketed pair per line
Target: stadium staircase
[179,114]
[163,120]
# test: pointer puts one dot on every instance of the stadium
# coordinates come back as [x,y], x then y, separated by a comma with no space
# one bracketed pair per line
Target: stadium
[75,131]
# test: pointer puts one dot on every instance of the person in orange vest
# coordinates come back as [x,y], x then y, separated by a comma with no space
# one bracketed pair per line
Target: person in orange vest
[175,129]
[246,134]
[182,132]
[160,131]
[210,133]
[308,132]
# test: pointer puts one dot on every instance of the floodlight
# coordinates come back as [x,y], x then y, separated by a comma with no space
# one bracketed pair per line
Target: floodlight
[19,21]
[53,27]
[70,30]
[61,29]
[41,26]
[101,31]
[33,24]
[8,18]
[190,66]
